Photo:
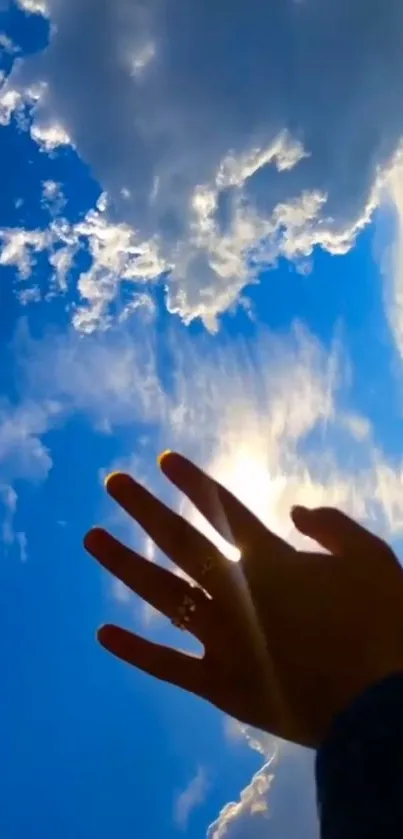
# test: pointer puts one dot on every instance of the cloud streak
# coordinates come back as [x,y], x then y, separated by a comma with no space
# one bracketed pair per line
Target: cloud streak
[190,798]
[267,416]
[11,537]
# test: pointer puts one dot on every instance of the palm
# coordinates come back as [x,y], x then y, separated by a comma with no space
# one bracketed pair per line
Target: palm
[318,613]
[285,632]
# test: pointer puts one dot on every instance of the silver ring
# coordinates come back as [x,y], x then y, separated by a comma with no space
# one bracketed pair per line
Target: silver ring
[185,613]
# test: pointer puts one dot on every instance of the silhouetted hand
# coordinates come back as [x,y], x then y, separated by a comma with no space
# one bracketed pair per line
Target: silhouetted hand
[290,637]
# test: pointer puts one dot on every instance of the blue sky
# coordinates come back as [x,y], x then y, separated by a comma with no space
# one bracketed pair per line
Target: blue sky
[197,254]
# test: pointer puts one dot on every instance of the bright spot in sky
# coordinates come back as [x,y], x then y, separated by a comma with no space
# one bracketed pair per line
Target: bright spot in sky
[245,473]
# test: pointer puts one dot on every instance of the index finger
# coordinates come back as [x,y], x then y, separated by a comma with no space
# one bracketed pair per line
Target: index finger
[232,520]
[200,488]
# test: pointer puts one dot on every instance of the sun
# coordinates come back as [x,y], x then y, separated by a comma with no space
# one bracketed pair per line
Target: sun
[245,473]
[247,476]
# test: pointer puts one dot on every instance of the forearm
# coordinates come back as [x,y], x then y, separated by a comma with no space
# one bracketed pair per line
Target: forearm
[359,768]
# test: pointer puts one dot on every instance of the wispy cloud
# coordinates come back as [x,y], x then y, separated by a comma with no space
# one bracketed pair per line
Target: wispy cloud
[11,537]
[393,257]
[22,450]
[9,500]
[268,417]
[190,798]
[274,419]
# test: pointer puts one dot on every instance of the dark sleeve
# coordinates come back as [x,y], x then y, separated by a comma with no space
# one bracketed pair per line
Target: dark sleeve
[359,768]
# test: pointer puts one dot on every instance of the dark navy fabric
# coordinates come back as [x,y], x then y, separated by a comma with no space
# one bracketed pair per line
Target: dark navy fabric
[359,767]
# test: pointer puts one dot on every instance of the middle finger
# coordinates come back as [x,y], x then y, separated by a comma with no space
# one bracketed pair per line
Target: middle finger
[174,536]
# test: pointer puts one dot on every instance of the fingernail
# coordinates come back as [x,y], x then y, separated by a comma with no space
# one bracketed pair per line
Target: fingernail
[109,478]
[161,457]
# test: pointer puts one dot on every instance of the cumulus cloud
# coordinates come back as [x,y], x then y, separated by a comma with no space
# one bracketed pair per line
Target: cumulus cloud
[227,134]
[35,7]
[115,254]
[50,136]
[281,794]
[20,248]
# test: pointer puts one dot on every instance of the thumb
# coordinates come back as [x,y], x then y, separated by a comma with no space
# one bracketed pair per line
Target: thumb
[337,532]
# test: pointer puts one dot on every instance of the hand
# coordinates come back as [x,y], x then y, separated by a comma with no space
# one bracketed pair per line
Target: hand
[290,637]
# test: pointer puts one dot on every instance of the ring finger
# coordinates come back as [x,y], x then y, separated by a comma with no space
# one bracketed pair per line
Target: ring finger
[187,606]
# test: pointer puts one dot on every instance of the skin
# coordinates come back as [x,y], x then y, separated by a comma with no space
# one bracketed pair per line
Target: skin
[290,637]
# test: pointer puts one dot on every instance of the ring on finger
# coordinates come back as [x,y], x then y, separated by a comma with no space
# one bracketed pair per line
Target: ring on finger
[185,613]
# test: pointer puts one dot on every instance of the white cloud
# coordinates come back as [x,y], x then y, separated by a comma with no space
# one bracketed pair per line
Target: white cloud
[253,804]
[268,419]
[10,537]
[116,256]
[10,101]
[50,136]
[38,7]
[6,45]
[20,247]
[142,58]
[278,802]
[190,798]
[22,543]
[8,498]
[23,453]
[113,382]
[120,592]
[225,135]
[393,258]
[53,198]
[273,417]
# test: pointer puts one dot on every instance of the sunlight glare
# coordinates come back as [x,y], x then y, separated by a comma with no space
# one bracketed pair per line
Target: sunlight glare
[245,473]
